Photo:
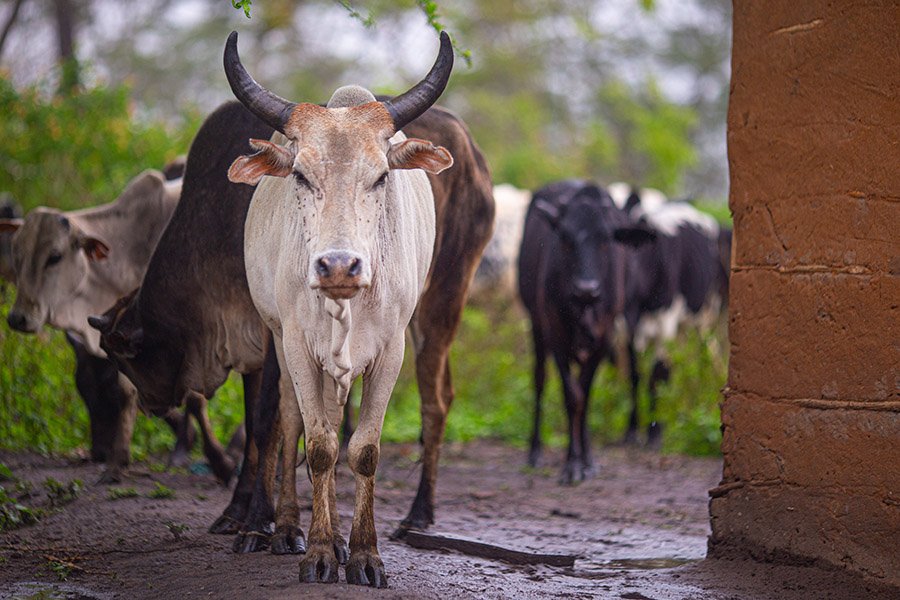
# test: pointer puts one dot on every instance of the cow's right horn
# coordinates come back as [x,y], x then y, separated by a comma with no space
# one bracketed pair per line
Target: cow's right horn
[408,106]
[269,107]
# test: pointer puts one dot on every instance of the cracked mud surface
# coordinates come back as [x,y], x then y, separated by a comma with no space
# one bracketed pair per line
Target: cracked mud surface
[639,529]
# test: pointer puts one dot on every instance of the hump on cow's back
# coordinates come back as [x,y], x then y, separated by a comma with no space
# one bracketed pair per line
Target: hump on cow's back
[350,95]
[147,186]
[224,135]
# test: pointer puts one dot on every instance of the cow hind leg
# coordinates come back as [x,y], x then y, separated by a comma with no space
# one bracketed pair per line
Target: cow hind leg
[540,374]
[659,375]
[288,537]
[631,433]
[264,428]
[232,518]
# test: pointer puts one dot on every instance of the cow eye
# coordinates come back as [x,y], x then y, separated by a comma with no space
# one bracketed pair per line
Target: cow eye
[54,258]
[381,180]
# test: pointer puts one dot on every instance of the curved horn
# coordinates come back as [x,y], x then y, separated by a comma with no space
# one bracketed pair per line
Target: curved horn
[406,107]
[269,107]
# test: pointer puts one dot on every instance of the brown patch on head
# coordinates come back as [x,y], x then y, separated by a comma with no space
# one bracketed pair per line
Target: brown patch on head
[372,115]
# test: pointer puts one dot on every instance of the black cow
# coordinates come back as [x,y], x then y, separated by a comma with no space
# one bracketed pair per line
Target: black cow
[681,279]
[575,254]
[192,320]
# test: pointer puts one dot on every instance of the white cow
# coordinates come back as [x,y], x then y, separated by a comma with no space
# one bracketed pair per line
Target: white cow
[338,243]
[70,265]
[497,271]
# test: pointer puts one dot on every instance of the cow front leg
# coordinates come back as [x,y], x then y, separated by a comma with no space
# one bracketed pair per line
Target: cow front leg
[120,456]
[320,563]
[365,566]
[573,470]
[634,374]
[221,464]
[185,435]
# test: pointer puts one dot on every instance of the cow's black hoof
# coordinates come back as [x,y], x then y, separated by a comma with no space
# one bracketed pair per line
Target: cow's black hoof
[654,436]
[631,438]
[288,540]
[574,472]
[111,475]
[246,542]
[319,565]
[341,549]
[366,568]
[225,525]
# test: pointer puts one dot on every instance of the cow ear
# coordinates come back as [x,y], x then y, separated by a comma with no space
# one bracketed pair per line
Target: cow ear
[419,154]
[10,225]
[634,235]
[126,344]
[95,249]
[269,159]
[547,211]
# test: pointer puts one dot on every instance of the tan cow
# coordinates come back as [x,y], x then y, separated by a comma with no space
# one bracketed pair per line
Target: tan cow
[70,265]
[338,242]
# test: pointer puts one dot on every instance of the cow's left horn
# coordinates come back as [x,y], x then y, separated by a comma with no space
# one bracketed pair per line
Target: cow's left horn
[406,107]
[269,107]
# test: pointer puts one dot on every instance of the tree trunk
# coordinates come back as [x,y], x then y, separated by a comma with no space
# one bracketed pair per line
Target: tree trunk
[65,27]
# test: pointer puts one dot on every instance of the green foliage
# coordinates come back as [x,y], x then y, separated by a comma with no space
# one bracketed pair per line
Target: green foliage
[161,492]
[59,493]
[177,529]
[242,5]
[118,493]
[79,150]
[14,514]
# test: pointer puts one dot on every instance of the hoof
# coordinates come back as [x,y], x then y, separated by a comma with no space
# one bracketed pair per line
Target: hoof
[319,565]
[654,436]
[366,568]
[288,540]
[411,523]
[246,542]
[111,475]
[574,472]
[341,550]
[630,438]
[223,470]
[225,525]
[179,460]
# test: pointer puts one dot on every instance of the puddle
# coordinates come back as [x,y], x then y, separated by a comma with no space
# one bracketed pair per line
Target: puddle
[38,590]
[646,563]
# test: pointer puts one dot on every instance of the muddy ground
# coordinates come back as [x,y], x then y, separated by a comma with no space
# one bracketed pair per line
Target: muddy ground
[639,529]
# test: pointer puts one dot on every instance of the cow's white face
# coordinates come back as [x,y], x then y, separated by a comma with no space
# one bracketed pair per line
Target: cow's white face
[338,162]
[51,258]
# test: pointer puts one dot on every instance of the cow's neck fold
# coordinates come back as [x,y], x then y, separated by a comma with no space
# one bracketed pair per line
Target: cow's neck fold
[338,365]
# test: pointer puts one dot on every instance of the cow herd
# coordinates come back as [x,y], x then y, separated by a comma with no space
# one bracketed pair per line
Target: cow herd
[296,246]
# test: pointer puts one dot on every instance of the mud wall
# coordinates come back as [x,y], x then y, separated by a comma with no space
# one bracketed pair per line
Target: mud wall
[811,414]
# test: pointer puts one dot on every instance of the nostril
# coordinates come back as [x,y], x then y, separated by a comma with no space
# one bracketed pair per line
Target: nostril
[322,267]
[15,320]
[355,267]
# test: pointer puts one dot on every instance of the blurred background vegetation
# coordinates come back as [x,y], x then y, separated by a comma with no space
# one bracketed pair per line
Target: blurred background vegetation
[93,92]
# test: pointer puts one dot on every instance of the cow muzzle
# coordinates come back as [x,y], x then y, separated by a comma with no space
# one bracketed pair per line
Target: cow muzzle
[340,274]
[20,321]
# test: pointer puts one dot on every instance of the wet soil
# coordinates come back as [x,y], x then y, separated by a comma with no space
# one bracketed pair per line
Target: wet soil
[639,529]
